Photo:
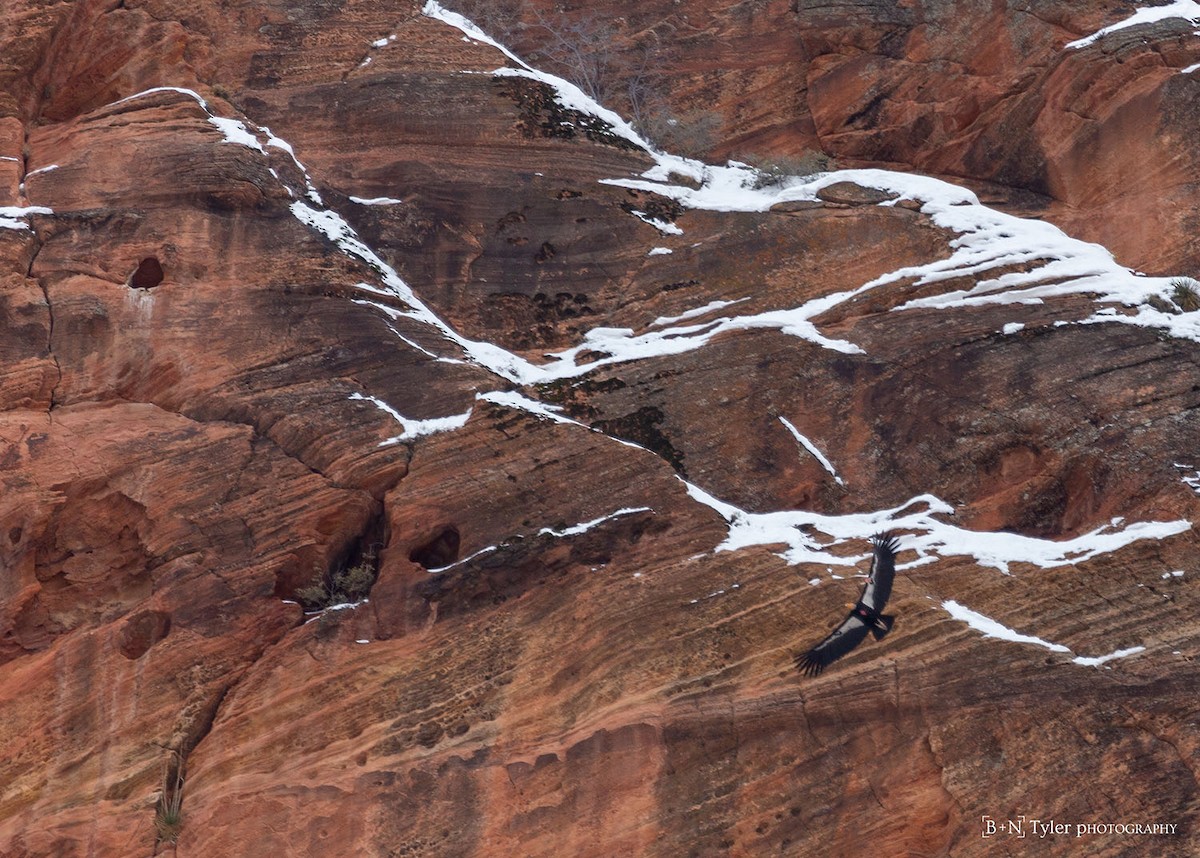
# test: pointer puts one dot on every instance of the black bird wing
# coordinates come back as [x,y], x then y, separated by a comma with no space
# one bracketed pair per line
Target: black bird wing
[843,639]
[883,569]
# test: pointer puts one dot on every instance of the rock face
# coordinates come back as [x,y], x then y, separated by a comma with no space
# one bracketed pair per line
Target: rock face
[1090,137]
[298,293]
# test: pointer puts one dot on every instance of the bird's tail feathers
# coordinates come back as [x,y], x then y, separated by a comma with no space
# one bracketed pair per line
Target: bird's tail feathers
[882,626]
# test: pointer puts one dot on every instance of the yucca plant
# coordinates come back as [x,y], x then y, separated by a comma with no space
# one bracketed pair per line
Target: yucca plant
[1185,292]
[168,815]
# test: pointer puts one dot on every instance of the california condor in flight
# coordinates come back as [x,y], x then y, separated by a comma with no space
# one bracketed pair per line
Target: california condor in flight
[865,616]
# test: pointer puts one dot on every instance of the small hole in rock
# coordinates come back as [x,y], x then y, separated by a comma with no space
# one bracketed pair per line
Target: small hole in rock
[142,631]
[149,274]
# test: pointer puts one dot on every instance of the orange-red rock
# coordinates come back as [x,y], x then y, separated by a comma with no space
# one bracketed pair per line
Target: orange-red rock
[194,428]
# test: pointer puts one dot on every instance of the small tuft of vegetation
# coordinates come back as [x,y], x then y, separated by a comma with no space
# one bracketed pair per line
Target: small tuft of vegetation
[1184,297]
[351,584]
[774,170]
[692,134]
[168,813]
[1158,302]
[1185,292]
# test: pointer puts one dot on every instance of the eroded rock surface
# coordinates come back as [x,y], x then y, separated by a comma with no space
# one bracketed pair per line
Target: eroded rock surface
[289,290]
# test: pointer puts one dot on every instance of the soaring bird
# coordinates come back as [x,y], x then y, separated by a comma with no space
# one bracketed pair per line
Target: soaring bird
[864,617]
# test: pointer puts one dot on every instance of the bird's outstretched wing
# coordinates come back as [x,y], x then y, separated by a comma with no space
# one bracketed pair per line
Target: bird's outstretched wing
[883,570]
[843,639]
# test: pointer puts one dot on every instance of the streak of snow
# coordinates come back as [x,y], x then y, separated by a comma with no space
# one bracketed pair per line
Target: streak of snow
[722,188]
[420,428]
[566,93]
[663,226]
[394,314]
[577,529]
[1189,10]
[493,357]
[710,307]
[16,217]
[659,251]
[416,428]
[236,131]
[1099,660]
[1182,325]
[233,130]
[514,400]
[714,594]
[190,93]
[482,551]
[574,530]
[789,529]
[45,169]
[376,201]
[1190,69]
[812,448]
[380,404]
[274,142]
[1012,328]
[439,12]
[341,606]
[418,347]
[571,97]
[519,402]
[1191,480]
[621,344]
[992,629]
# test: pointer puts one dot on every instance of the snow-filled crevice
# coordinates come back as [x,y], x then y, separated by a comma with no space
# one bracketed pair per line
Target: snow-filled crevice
[411,429]
[808,445]
[992,629]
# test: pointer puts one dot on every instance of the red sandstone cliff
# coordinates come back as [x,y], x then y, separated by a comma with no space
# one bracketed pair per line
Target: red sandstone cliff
[291,288]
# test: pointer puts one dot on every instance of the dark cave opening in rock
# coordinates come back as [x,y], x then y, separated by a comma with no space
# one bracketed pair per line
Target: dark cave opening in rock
[441,550]
[149,274]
